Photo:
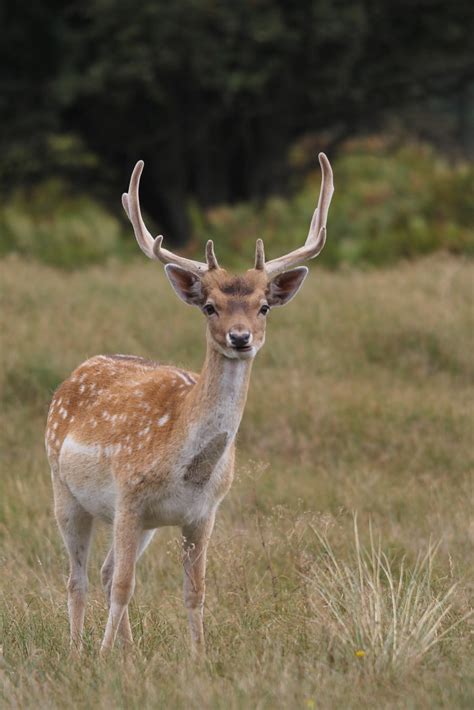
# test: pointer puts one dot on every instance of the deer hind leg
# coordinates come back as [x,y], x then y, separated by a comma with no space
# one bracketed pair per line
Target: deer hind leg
[195,542]
[75,525]
[107,571]
[127,536]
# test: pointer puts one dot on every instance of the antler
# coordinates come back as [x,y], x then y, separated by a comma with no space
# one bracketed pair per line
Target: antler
[152,247]
[317,231]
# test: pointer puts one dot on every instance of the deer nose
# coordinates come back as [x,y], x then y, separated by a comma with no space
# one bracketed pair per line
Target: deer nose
[239,338]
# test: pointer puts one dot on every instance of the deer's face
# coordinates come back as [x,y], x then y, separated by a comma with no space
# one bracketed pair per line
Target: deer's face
[236,307]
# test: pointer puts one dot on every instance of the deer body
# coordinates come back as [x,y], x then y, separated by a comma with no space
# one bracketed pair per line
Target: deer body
[142,445]
[165,436]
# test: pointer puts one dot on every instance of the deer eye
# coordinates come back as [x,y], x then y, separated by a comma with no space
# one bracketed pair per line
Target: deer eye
[264,309]
[209,309]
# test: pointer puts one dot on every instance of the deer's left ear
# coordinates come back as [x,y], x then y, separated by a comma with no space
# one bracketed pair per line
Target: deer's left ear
[187,285]
[282,288]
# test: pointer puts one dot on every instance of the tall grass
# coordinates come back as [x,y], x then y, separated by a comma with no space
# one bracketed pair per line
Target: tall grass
[384,612]
[361,400]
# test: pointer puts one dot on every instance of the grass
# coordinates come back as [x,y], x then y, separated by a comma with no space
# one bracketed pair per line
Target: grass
[360,402]
[390,617]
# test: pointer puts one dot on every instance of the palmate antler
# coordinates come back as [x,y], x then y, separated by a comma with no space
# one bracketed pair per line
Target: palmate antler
[152,247]
[317,231]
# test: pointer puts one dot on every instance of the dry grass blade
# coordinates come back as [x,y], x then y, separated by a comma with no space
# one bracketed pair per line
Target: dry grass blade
[390,617]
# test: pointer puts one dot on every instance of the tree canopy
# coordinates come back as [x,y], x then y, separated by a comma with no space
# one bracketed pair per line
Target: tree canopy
[211,94]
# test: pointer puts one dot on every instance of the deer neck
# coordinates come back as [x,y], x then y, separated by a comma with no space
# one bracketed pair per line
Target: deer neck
[218,400]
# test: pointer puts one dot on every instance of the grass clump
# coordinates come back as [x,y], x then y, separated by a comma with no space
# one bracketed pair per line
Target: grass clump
[384,612]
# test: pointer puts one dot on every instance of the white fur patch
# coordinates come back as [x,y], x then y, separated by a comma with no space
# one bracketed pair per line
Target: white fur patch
[70,445]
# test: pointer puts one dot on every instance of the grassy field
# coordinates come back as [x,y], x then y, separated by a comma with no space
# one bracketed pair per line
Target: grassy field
[361,402]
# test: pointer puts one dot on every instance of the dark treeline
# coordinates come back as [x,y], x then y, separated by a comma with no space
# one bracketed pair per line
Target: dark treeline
[212,94]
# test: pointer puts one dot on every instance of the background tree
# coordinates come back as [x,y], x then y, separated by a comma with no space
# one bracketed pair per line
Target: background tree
[213,94]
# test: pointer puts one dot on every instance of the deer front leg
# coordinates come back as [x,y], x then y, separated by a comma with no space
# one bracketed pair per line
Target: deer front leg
[107,571]
[127,536]
[196,540]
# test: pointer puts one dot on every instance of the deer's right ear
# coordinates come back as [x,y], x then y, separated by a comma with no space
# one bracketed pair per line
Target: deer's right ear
[187,285]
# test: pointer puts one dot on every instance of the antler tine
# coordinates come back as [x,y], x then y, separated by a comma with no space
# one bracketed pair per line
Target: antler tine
[317,232]
[150,246]
[211,256]
[259,255]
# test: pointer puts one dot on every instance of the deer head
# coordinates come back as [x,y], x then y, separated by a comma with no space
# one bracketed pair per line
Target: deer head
[235,306]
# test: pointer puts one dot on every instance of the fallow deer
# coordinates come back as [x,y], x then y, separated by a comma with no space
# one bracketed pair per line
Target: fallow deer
[142,445]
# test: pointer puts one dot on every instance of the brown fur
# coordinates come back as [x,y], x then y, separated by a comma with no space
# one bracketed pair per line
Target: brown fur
[142,445]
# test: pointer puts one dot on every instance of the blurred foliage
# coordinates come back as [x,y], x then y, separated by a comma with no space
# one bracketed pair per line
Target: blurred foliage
[47,224]
[391,201]
[212,95]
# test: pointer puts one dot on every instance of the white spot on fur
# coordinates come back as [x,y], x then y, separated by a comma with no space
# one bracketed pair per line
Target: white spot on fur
[162,420]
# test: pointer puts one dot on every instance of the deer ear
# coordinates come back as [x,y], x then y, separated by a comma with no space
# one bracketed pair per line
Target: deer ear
[282,288]
[187,285]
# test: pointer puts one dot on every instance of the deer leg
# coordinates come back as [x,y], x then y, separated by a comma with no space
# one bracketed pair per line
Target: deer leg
[196,541]
[107,570]
[127,535]
[75,525]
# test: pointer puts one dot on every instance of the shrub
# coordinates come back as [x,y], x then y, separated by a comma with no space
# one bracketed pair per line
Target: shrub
[390,203]
[47,224]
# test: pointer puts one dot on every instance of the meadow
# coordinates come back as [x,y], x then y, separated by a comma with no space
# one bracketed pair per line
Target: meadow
[360,405]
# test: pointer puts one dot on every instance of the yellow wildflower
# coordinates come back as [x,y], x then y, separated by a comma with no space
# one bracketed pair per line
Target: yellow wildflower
[360,653]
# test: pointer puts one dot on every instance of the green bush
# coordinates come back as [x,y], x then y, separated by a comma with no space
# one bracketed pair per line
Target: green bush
[390,203]
[47,224]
